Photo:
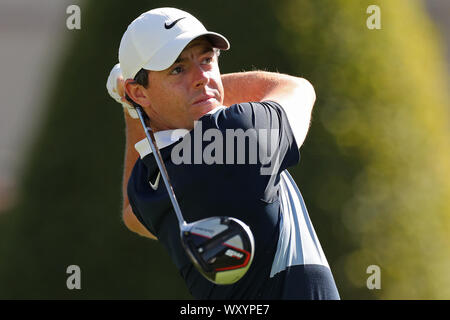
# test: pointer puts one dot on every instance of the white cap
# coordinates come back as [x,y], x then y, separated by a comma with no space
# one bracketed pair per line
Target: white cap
[155,39]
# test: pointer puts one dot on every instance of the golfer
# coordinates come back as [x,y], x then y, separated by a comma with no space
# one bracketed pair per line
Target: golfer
[169,67]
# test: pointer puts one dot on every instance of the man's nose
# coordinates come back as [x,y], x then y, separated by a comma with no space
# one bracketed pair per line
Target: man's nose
[200,76]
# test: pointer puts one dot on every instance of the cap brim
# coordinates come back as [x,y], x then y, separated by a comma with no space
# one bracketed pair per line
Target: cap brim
[168,53]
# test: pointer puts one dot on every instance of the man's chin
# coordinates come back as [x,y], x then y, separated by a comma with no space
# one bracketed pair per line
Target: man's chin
[199,110]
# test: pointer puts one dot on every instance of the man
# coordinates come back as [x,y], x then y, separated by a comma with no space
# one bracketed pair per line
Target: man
[169,66]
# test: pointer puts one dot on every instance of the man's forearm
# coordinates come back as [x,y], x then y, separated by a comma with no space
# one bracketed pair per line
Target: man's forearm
[251,86]
[294,94]
[134,133]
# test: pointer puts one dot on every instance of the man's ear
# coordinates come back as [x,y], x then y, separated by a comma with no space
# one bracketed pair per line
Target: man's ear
[136,92]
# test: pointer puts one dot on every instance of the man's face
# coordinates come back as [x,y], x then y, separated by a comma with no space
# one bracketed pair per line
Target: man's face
[185,91]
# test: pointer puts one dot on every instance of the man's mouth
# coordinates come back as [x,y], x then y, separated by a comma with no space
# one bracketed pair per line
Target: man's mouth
[204,99]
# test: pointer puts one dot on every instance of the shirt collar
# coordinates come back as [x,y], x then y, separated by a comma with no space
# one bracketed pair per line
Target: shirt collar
[165,138]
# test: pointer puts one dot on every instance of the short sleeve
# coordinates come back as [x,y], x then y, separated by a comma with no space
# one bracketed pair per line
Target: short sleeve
[136,192]
[267,124]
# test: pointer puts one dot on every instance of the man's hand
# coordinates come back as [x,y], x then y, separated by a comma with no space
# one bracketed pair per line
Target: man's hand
[115,87]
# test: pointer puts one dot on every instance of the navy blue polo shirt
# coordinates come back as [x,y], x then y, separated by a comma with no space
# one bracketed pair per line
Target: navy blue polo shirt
[234,163]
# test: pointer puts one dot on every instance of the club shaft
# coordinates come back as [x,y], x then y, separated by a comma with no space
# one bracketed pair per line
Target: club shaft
[161,166]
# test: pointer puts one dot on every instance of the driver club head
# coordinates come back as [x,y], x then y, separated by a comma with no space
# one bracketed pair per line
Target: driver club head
[221,248]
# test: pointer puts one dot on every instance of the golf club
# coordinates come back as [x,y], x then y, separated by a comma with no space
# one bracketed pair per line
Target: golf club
[221,248]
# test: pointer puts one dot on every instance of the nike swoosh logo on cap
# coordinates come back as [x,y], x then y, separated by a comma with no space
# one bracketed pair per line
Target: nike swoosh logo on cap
[156,184]
[170,25]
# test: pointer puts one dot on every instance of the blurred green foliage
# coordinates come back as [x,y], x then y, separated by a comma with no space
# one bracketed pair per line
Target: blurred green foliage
[377,160]
[374,172]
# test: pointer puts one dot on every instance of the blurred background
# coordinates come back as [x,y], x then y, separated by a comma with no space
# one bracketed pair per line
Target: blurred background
[375,168]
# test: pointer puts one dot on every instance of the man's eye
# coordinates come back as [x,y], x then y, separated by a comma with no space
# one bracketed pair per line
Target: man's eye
[177,70]
[208,60]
